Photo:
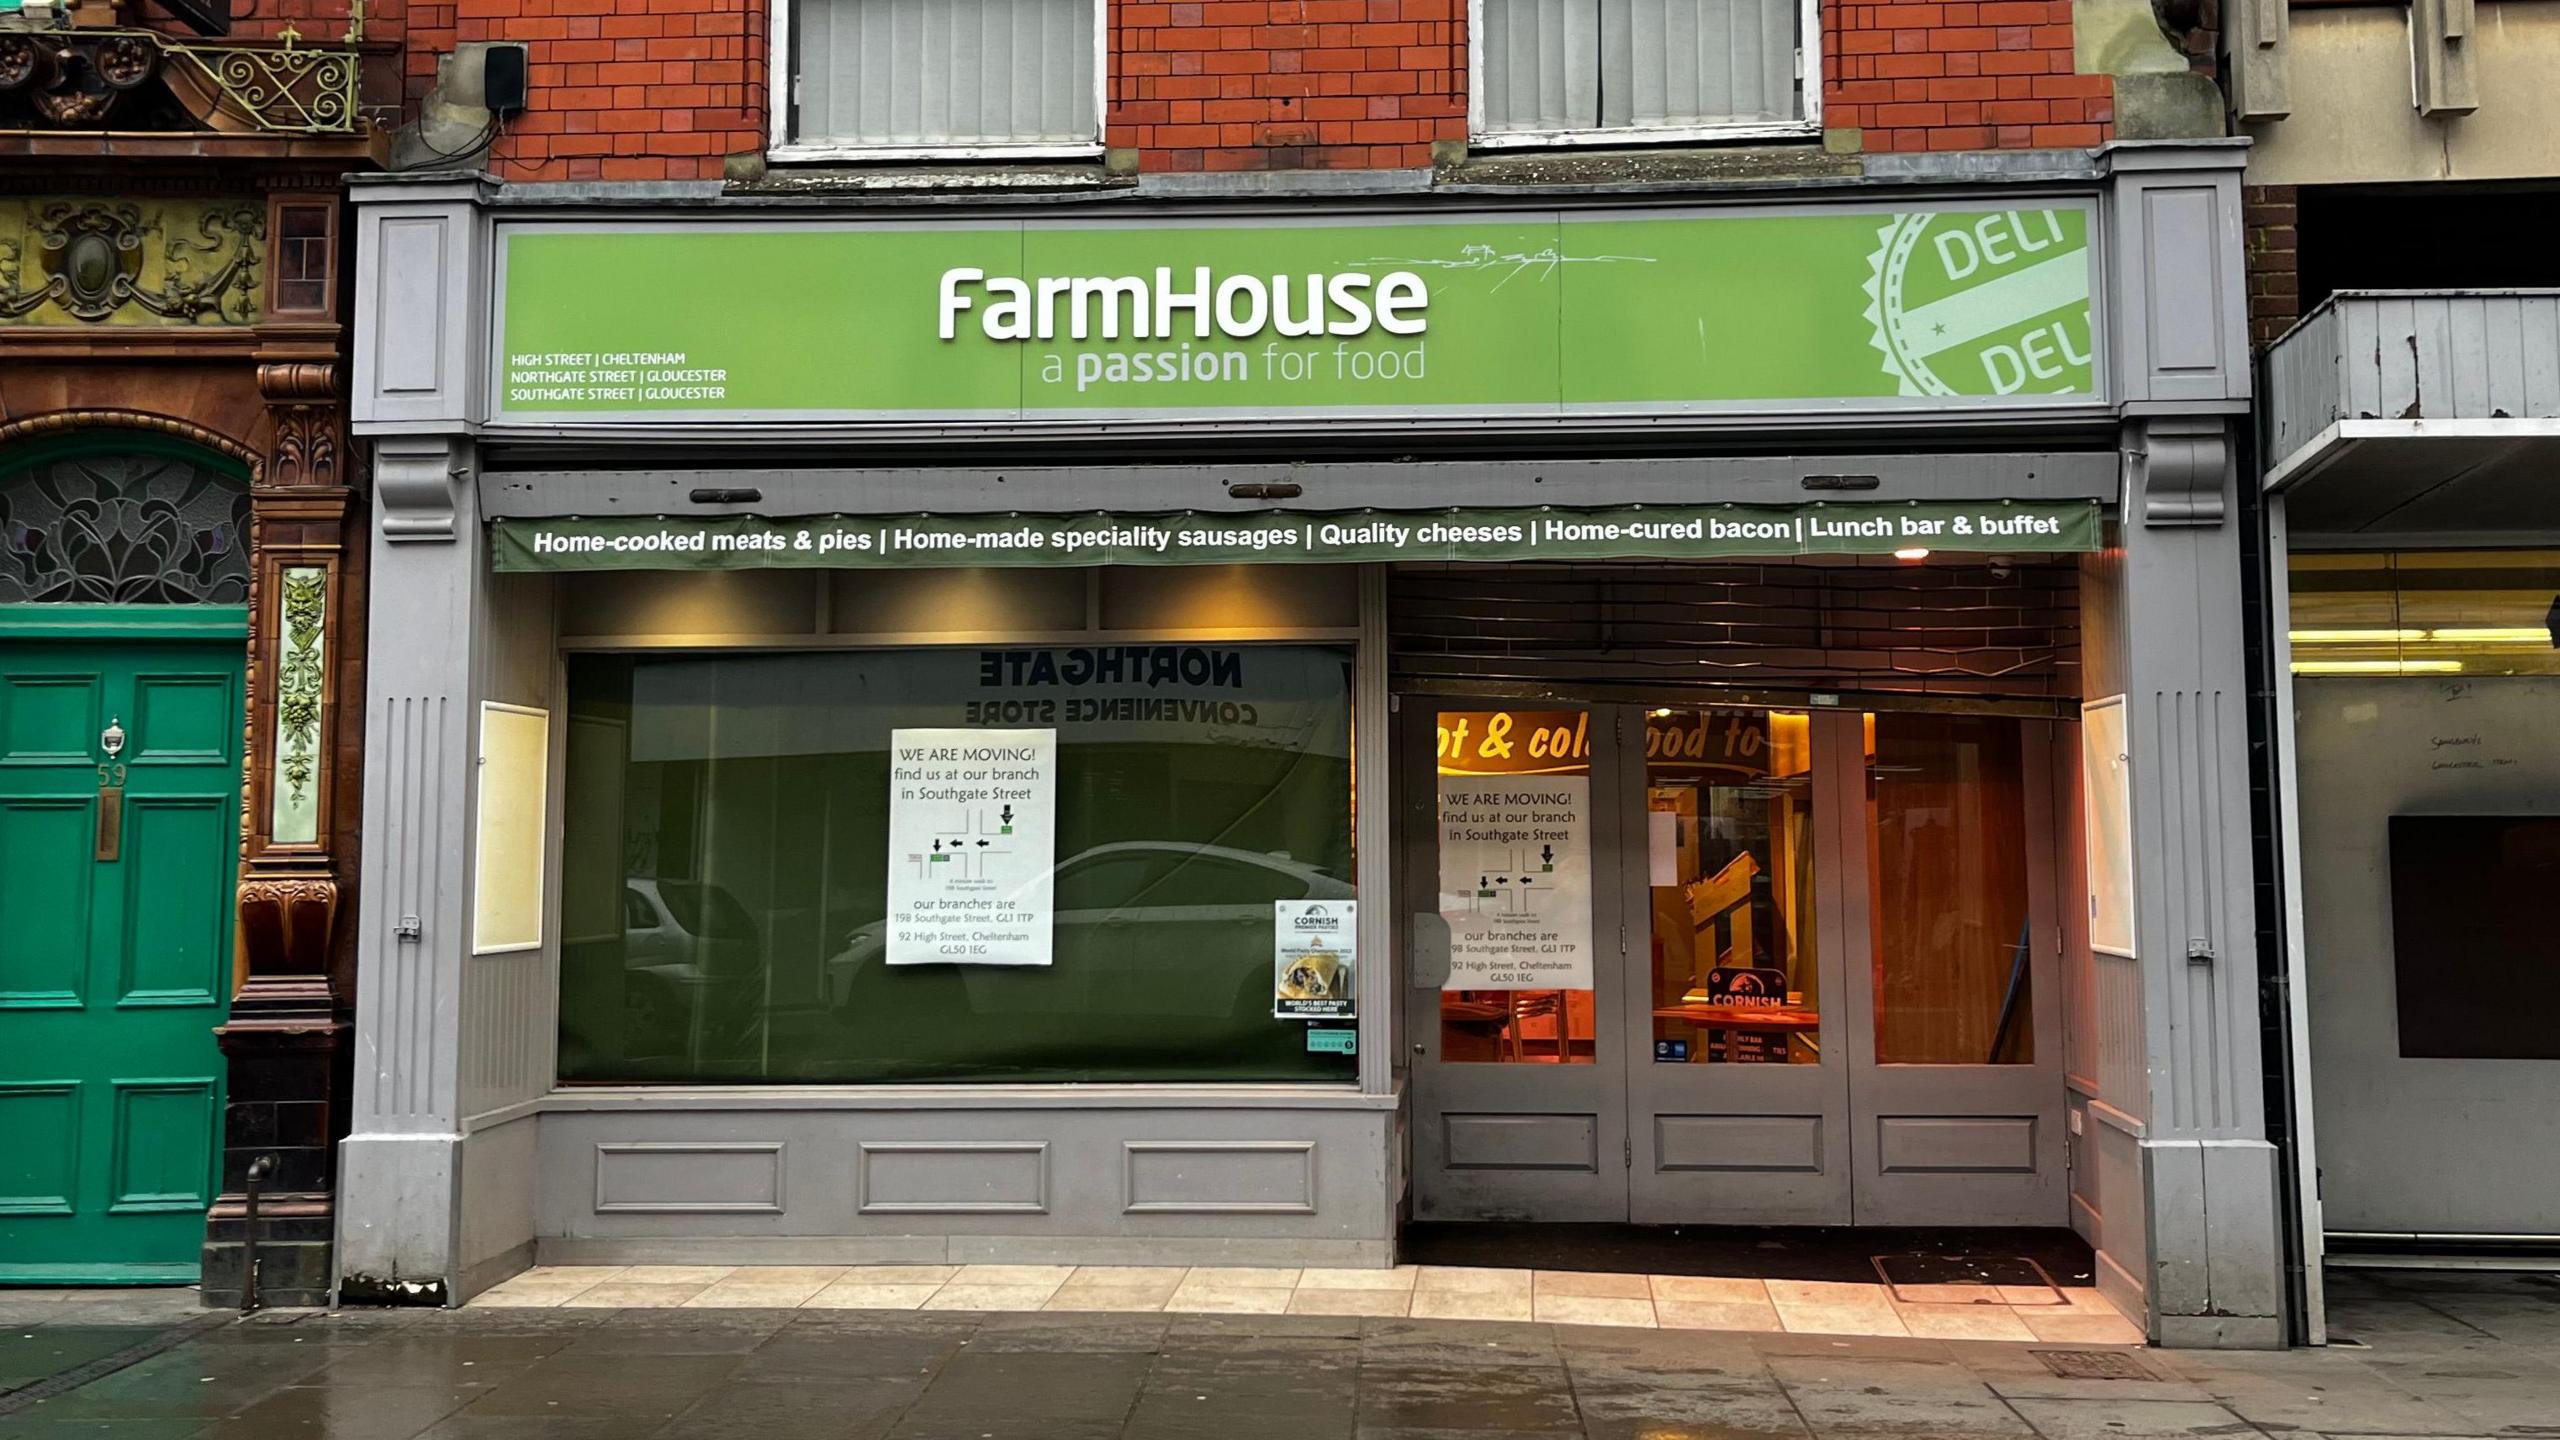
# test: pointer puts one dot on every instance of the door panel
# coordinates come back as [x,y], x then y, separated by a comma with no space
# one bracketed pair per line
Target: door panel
[40,713]
[1737,1096]
[39,1171]
[182,719]
[115,971]
[1519,1095]
[176,942]
[45,841]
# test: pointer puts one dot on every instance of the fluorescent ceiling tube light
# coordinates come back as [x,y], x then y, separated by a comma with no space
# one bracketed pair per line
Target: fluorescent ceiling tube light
[2353,637]
[2376,667]
[2491,635]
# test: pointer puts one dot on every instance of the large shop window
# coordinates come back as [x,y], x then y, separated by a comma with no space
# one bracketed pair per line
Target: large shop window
[727,858]
[1566,68]
[942,75]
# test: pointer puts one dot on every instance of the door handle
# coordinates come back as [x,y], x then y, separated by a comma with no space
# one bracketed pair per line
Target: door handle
[1430,950]
[111,776]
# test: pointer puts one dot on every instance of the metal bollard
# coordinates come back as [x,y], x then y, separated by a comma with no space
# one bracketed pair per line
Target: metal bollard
[259,1170]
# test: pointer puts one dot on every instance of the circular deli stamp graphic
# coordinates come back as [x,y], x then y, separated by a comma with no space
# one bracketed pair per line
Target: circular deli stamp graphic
[1973,302]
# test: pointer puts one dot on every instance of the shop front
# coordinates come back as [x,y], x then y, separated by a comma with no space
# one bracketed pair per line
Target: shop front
[2416,545]
[1116,732]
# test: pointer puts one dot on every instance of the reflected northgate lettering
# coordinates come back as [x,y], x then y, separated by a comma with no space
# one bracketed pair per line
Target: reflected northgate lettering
[1150,665]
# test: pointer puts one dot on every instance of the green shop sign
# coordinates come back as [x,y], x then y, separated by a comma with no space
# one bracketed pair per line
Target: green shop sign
[1514,314]
[1629,532]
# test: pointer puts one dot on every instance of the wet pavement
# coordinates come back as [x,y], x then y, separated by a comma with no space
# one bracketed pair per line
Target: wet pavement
[45,1334]
[2436,1356]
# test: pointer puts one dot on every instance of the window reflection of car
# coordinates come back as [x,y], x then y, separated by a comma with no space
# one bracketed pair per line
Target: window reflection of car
[1170,927]
[682,940]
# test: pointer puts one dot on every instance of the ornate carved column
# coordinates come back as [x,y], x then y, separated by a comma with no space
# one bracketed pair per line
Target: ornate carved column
[288,1020]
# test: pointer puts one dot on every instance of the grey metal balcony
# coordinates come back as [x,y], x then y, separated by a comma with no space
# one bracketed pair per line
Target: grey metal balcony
[2435,412]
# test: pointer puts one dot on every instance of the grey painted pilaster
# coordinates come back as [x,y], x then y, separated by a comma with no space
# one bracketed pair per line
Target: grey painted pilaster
[2177,277]
[2215,1264]
[424,251]
[1373,982]
[421,326]
[397,1212]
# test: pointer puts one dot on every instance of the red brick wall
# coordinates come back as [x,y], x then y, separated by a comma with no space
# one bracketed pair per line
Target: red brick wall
[2269,213]
[1287,84]
[668,89]
[620,89]
[1921,75]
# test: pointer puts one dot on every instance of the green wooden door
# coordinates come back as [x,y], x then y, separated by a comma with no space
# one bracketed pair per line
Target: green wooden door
[114,971]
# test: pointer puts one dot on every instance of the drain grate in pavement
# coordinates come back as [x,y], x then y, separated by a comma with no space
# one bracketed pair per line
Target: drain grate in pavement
[1922,1278]
[2094,1365]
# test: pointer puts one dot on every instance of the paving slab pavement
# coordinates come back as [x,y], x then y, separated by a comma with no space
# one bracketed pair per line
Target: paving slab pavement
[2471,1360]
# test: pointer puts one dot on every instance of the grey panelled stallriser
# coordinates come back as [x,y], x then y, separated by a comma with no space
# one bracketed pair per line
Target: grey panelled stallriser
[904,1182]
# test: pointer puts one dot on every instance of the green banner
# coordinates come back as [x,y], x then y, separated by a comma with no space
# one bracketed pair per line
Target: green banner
[1493,315]
[1629,532]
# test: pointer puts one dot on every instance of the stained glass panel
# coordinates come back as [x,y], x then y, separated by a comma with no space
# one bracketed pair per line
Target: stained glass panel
[123,528]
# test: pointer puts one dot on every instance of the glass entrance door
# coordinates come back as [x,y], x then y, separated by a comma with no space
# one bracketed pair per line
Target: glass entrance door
[1519,1069]
[1737,1094]
[1954,1028]
[1732,965]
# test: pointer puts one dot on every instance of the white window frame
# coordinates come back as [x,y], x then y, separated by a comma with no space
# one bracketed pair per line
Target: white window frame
[1808,75]
[783,73]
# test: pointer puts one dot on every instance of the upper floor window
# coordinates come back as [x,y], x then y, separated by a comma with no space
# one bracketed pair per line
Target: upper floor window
[1557,71]
[880,79]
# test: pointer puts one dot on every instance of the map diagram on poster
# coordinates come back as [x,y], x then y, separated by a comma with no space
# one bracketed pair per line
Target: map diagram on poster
[972,844]
[1515,881]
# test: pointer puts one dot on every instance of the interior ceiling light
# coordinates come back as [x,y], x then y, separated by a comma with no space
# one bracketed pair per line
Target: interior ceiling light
[2447,635]
[2377,667]
[1914,553]
[2491,635]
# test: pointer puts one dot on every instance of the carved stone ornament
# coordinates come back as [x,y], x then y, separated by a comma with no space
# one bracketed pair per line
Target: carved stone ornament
[285,926]
[120,261]
[302,400]
[2180,466]
[415,479]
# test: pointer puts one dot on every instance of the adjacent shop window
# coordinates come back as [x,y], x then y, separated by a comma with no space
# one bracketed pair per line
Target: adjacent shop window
[730,830]
[937,75]
[2475,960]
[2439,613]
[1947,849]
[1557,69]
[1729,846]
